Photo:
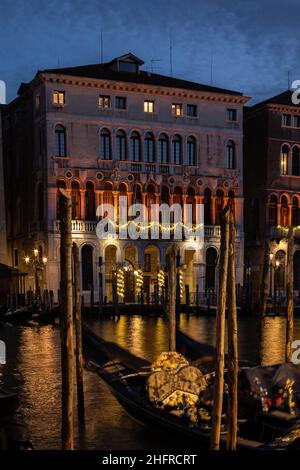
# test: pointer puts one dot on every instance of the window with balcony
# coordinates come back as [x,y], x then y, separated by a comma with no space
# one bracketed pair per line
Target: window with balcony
[219,205]
[231,115]
[273,221]
[295,212]
[230,155]
[191,110]
[135,147]
[149,148]
[104,102]
[284,213]
[105,144]
[90,204]
[296,121]
[60,141]
[191,150]
[207,207]
[60,184]
[284,159]
[58,98]
[121,145]
[148,106]
[163,149]
[76,200]
[177,150]
[121,102]
[177,109]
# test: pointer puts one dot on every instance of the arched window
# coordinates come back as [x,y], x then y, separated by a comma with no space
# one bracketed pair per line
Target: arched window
[123,194]
[211,258]
[191,150]
[76,200]
[87,267]
[121,145]
[284,159]
[295,211]
[105,144]
[207,207]
[273,210]
[137,194]
[219,205]
[284,212]
[191,200]
[177,199]
[163,149]
[295,161]
[149,148]
[60,141]
[231,202]
[135,147]
[165,195]
[177,150]
[230,155]
[60,184]
[40,202]
[107,194]
[90,206]
[151,199]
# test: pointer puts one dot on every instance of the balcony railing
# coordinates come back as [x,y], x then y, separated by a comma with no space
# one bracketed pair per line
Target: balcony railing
[282,232]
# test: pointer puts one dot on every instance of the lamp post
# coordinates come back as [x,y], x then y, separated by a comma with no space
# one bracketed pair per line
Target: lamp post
[37,264]
[277,266]
[271,274]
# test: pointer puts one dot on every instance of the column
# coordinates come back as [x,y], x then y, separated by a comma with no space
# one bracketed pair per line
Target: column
[82,204]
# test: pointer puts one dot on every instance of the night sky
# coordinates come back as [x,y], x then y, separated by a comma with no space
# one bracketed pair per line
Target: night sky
[253,43]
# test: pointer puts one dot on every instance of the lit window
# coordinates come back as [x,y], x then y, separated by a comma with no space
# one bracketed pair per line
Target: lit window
[104,102]
[232,115]
[177,109]
[284,159]
[121,102]
[148,106]
[59,97]
[286,119]
[191,110]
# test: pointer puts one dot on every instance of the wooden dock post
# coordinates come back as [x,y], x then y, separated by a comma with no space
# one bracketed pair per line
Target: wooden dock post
[290,295]
[220,333]
[264,297]
[172,300]
[78,331]
[233,366]
[67,348]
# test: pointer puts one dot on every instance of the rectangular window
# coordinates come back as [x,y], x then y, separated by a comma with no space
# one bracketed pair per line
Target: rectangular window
[177,109]
[104,101]
[148,106]
[121,102]
[59,98]
[286,119]
[296,121]
[232,115]
[38,102]
[191,110]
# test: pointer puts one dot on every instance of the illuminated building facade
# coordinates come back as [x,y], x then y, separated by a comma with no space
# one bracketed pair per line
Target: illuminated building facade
[112,129]
[272,188]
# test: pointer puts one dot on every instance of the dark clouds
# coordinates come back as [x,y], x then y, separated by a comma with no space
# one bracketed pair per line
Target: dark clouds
[253,43]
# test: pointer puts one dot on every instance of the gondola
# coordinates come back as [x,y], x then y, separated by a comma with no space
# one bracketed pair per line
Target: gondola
[126,376]
[19,315]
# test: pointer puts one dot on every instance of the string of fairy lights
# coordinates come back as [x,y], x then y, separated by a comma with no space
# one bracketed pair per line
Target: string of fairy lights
[164,227]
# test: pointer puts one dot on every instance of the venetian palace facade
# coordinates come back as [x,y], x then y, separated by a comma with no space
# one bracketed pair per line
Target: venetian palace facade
[112,129]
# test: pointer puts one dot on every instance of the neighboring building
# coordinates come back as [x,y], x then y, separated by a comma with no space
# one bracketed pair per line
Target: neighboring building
[109,129]
[272,187]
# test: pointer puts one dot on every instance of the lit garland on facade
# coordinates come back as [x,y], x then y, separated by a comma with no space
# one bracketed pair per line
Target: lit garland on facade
[181,284]
[164,227]
[139,280]
[160,281]
[120,283]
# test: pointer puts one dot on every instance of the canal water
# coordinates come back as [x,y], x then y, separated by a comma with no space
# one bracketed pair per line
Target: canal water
[33,369]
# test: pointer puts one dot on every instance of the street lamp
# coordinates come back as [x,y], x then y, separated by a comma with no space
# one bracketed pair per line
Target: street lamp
[38,264]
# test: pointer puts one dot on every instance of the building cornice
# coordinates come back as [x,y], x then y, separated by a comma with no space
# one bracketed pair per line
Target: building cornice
[128,87]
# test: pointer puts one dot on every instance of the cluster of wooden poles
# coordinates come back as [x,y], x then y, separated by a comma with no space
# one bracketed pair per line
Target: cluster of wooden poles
[226,284]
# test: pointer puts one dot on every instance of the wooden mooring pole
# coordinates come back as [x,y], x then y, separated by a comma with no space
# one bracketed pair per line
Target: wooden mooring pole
[289,295]
[232,412]
[78,332]
[220,333]
[264,292]
[67,347]
[172,300]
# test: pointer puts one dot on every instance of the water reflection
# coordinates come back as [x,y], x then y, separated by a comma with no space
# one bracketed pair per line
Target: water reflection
[33,367]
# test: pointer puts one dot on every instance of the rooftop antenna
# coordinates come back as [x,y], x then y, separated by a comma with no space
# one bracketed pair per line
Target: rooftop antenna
[171,57]
[289,81]
[211,66]
[152,61]
[101,45]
